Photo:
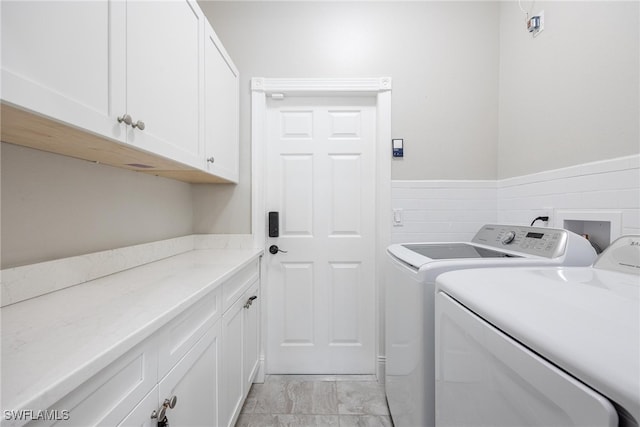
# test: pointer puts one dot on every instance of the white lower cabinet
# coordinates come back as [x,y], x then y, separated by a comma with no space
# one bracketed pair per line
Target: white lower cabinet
[251,337]
[240,337]
[194,383]
[203,358]
[232,383]
[141,414]
[107,397]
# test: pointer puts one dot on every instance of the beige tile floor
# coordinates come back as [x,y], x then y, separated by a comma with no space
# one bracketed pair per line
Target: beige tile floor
[316,400]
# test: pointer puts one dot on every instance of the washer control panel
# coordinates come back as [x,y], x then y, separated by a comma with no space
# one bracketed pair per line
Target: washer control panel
[544,242]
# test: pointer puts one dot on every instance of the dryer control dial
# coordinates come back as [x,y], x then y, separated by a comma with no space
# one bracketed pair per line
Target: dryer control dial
[508,237]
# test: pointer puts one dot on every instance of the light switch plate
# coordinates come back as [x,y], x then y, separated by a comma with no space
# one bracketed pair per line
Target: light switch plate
[397,217]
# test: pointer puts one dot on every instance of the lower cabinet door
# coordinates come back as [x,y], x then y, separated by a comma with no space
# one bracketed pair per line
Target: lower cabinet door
[141,416]
[251,336]
[232,381]
[194,383]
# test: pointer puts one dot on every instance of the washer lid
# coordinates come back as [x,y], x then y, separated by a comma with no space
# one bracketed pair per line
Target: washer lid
[455,251]
[419,255]
[584,320]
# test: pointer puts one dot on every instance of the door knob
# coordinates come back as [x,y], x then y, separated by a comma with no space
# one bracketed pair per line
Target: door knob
[275,249]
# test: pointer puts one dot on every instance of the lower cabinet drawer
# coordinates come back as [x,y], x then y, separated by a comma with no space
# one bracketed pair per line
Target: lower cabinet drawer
[110,395]
[233,288]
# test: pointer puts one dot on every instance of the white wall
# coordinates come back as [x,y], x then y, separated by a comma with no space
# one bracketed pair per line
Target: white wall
[450,76]
[572,94]
[443,64]
[569,107]
[55,206]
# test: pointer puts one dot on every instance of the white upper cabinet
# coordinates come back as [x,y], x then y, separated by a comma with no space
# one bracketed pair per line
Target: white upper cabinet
[131,76]
[221,109]
[66,60]
[163,77]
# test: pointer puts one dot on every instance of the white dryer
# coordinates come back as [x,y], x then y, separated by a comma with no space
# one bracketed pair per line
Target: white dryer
[541,346]
[409,301]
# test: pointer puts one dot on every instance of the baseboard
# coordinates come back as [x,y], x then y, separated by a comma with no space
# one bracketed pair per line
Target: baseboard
[381,369]
[260,375]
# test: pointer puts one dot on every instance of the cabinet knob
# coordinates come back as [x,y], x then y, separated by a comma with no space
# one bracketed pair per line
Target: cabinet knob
[171,402]
[211,159]
[126,119]
[139,124]
[159,414]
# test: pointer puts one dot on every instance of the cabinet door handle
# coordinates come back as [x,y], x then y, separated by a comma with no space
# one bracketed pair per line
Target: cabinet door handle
[139,124]
[250,301]
[211,159]
[126,119]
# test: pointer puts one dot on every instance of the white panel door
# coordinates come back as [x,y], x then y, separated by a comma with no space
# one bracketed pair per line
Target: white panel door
[164,54]
[321,293]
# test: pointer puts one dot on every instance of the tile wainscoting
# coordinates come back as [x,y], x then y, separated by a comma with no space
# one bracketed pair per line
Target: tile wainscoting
[441,211]
[455,210]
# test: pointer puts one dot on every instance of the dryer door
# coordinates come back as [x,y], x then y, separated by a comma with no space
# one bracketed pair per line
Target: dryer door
[485,378]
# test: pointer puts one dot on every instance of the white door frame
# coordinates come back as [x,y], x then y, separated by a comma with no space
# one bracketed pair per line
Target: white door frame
[375,87]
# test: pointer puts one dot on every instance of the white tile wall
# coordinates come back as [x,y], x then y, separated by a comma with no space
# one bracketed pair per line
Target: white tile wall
[454,210]
[441,211]
[601,188]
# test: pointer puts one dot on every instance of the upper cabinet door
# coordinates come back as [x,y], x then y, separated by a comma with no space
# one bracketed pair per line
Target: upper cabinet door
[164,44]
[66,60]
[221,110]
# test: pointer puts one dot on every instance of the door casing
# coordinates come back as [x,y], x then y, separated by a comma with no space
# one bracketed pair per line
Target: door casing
[380,88]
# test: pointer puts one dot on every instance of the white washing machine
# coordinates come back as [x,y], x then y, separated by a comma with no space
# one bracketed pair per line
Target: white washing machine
[541,346]
[409,301]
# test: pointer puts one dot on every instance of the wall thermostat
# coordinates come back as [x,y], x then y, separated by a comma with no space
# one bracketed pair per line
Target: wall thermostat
[398,147]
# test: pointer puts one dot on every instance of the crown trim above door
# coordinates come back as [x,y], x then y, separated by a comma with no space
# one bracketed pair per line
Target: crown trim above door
[371,85]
